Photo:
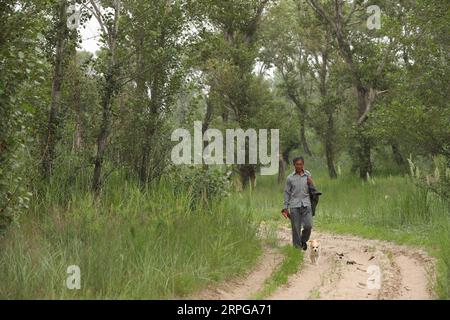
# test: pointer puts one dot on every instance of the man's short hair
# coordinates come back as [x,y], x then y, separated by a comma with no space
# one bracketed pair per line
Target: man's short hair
[297,159]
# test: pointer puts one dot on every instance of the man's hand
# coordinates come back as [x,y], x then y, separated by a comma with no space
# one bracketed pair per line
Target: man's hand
[285,213]
[309,181]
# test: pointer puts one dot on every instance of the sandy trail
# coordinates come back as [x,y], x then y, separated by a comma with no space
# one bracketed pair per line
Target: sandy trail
[342,272]
[245,286]
[347,269]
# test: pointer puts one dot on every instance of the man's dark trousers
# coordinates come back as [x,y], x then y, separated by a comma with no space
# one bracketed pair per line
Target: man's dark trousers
[301,216]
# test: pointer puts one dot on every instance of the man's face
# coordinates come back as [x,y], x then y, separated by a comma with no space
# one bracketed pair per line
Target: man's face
[298,166]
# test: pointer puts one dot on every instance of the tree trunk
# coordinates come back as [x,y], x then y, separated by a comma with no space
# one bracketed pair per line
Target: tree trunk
[53,121]
[146,155]
[302,111]
[151,127]
[247,173]
[143,100]
[365,167]
[282,170]
[102,139]
[78,108]
[303,140]
[364,148]
[330,161]
[398,157]
[77,137]
[329,150]
[143,168]
[205,124]
[364,153]
[329,109]
[110,88]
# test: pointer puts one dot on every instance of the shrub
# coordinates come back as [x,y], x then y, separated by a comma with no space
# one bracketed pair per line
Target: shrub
[203,185]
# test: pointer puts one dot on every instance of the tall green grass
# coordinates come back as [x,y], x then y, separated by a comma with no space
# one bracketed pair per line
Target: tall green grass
[129,244]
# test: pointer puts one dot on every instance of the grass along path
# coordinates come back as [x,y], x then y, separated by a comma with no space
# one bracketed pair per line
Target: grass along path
[245,286]
[292,263]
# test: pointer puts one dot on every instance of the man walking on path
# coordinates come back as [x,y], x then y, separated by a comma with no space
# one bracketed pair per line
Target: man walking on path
[297,199]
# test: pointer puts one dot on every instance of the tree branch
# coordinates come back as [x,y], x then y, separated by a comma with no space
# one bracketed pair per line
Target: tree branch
[98,15]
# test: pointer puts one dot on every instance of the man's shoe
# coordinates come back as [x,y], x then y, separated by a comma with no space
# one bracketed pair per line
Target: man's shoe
[304,246]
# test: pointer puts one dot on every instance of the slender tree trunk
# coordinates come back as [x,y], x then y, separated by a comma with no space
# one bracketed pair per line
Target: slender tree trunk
[151,126]
[364,154]
[225,116]
[329,147]
[110,89]
[102,139]
[48,156]
[330,161]
[329,110]
[291,91]
[205,124]
[247,173]
[282,170]
[143,100]
[303,140]
[364,148]
[149,135]
[207,118]
[143,168]
[398,157]
[77,106]
[253,178]
[77,137]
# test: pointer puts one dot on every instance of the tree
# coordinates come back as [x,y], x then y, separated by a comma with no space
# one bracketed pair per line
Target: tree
[109,23]
[157,39]
[62,32]
[22,67]
[81,99]
[304,55]
[235,26]
[338,16]
[284,47]
[419,83]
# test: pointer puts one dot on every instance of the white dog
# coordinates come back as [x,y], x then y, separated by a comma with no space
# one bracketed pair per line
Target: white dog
[314,253]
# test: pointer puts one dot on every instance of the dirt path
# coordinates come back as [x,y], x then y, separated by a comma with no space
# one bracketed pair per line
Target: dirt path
[342,272]
[245,286]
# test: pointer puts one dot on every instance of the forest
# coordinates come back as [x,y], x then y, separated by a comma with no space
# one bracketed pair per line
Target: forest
[87,177]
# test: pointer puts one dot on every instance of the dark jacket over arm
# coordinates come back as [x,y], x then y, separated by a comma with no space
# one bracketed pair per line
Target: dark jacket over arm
[314,196]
